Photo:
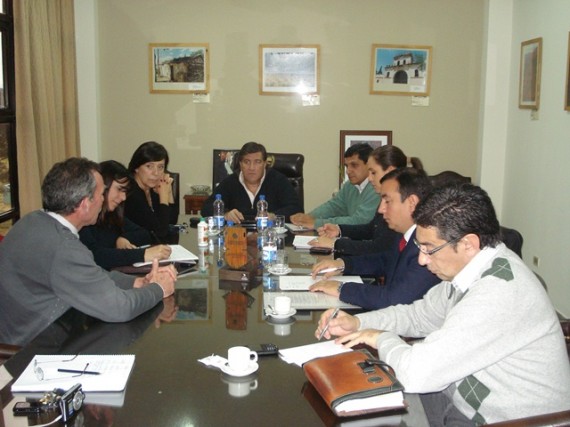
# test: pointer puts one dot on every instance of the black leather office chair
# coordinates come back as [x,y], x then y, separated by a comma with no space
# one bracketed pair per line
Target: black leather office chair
[513,239]
[176,194]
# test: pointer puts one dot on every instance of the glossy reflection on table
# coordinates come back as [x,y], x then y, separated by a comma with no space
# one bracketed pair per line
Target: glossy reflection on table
[169,387]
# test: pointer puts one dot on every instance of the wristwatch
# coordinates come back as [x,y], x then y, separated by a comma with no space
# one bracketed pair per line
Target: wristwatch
[340,287]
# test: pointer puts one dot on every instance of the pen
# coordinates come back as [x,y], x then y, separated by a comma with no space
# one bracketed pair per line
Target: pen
[74,371]
[335,313]
[328,270]
[144,246]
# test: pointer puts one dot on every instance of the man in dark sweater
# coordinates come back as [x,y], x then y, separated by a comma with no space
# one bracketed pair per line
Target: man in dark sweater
[240,192]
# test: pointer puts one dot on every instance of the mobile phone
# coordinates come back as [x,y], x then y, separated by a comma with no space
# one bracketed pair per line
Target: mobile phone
[320,251]
[267,350]
[27,408]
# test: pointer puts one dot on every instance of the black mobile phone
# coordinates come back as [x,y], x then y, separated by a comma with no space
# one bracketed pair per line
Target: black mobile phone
[27,408]
[267,350]
[320,251]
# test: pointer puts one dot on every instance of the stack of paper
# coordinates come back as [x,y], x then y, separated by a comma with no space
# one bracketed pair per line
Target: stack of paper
[297,228]
[179,254]
[304,353]
[302,242]
[302,283]
[303,300]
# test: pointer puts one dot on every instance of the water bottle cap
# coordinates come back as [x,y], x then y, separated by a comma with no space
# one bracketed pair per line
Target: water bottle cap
[218,196]
[270,223]
[261,197]
[230,223]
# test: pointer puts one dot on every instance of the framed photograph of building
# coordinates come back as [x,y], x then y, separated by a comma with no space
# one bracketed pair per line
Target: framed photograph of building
[530,67]
[374,138]
[400,70]
[179,67]
[567,96]
[289,69]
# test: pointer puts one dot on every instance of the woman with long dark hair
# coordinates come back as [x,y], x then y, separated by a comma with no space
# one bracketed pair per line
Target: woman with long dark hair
[115,240]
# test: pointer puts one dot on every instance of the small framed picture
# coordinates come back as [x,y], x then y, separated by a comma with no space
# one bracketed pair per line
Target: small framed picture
[289,69]
[567,97]
[374,138]
[400,70]
[530,66]
[179,67]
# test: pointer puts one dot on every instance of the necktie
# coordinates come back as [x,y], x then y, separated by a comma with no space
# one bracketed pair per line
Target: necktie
[402,244]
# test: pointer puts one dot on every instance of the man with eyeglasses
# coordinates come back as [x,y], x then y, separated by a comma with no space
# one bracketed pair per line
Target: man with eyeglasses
[493,347]
[404,279]
[240,192]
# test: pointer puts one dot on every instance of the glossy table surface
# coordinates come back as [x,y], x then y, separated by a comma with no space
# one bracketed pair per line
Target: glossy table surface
[169,387]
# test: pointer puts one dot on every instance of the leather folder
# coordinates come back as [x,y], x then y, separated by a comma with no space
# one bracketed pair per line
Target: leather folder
[350,385]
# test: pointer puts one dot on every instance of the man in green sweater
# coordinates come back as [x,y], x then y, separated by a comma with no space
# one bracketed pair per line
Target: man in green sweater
[356,201]
[493,348]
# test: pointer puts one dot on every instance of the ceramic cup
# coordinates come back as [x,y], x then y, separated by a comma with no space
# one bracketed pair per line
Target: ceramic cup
[239,358]
[282,305]
[282,330]
[241,389]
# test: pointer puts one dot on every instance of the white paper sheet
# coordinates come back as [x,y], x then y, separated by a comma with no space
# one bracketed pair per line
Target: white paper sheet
[302,283]
[304,353]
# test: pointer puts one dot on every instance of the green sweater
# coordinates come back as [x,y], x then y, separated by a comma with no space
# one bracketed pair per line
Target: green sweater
[348,206]
[493,342]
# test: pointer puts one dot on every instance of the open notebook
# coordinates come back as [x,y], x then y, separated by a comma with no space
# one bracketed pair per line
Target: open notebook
[113,372]
[179,254]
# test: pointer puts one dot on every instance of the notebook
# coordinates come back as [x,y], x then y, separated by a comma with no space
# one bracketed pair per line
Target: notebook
[114,371]
[303,300]
[179,254]
[302,283]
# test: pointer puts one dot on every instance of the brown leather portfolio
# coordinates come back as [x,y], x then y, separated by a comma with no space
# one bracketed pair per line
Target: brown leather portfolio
[350,385]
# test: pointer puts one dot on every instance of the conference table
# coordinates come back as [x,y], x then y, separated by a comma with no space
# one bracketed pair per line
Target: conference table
[170,387]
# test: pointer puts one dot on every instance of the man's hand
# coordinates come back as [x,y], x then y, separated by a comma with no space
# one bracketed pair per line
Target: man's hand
[329,230]
[366,336]
[304,220]
[165,277]
[159,252]
[341,325]
[322,242]
[337,264]
[235,216]
[329,287]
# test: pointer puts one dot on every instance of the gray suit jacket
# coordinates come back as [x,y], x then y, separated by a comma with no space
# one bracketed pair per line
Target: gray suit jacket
[45,270]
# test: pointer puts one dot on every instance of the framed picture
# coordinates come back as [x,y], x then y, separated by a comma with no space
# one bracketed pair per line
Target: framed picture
[400,70]
[374,138]
[529,83]
[567,98]
[179,67]
[288,69]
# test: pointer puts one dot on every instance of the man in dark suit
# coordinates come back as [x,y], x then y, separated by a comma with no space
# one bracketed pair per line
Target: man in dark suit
[405,280]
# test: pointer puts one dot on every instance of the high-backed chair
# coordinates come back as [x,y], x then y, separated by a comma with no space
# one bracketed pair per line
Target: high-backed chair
[176,194]
[513,239]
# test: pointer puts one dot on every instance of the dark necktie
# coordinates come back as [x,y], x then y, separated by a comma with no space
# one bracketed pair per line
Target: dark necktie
[402,244]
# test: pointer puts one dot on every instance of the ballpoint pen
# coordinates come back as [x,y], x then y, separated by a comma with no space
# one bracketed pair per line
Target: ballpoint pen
[75,371]
[328,270]
[334,314]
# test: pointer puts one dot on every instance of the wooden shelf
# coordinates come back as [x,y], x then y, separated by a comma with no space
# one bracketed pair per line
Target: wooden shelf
[193,203]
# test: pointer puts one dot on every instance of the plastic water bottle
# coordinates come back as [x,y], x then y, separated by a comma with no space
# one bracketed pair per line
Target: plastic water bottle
[269,248]
[262,213]
[202,233]
[219,213]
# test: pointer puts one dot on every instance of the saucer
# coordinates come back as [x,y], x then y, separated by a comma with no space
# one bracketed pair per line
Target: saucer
[280,273]
[253,366]
[283,316]
[280,230]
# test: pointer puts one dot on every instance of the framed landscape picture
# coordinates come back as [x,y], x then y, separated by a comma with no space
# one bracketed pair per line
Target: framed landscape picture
[179,67]
[400,70]
[374,138]
[288,69]
[530,67]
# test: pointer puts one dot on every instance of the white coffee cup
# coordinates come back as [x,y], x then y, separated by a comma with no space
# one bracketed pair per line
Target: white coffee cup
[282,305]
[240,358]
[241,389]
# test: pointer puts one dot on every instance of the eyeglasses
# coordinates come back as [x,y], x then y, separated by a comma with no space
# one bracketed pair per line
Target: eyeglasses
[424,251]
[40,375]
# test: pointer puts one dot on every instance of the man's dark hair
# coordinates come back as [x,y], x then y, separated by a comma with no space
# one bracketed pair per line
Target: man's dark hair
[362,149]
[251,148]
[448,178]
[67,184]
[149,151]
[410,181]
[457,210]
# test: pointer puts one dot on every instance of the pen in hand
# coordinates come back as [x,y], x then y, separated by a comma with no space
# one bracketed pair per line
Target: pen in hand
[334,314]
[328,270]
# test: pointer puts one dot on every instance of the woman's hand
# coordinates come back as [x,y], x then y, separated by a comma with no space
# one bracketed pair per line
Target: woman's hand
[159,252]
[122,243]
[164,189]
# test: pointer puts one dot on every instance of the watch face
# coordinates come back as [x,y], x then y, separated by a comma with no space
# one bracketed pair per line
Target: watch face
[78,400]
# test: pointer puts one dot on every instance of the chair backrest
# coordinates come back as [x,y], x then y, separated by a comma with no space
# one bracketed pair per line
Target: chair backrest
[513,239]
[290,165]
[176,194]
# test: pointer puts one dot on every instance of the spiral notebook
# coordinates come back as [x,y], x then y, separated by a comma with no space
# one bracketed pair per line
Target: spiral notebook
[94,372]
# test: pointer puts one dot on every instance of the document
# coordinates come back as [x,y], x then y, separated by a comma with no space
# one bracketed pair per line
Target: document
[297,228]
[303,300]
[106,372]
[304,353]
[302,283]
[179,254]
[302,242]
